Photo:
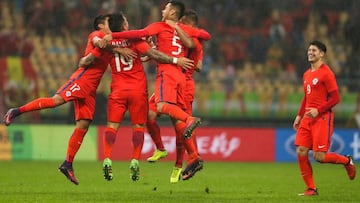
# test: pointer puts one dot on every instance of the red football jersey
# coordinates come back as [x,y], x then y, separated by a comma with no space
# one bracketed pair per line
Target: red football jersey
[317,85]
[95,71]
[82,85]
[129,75]
[167,39]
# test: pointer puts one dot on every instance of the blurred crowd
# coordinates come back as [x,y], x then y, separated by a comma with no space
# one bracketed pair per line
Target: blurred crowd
[257,45]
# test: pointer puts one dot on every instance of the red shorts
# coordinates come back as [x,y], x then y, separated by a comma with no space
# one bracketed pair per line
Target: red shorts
[76,89]
[316,133]
[135,102]
[170,87]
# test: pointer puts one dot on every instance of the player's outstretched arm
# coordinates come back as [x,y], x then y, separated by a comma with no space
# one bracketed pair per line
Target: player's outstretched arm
[203,34]
[130,34]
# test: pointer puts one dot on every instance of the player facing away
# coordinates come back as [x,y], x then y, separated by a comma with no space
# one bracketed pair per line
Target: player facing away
[129,92]
[315,119]
[81,90]
[190,18]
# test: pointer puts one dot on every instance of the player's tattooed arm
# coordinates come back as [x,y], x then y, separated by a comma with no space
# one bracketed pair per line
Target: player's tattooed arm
[183,62]
[86,60]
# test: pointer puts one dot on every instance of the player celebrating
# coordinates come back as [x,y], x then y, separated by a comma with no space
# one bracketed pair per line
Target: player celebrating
[196,54]
[129,91]
[314,122]
[81,90]
[190,18]
[170,79]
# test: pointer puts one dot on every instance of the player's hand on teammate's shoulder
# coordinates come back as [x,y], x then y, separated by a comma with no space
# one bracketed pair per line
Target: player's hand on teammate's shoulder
[126,52]
[102,43]
[108,37]
[151,42]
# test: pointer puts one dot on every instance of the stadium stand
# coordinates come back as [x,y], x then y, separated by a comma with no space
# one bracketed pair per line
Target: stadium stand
[252,65]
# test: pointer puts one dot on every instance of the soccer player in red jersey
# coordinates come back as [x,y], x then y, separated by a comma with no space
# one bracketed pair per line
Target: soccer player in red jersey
[81,90]
[170,79]
[314,122]
[129,92]
[190,18]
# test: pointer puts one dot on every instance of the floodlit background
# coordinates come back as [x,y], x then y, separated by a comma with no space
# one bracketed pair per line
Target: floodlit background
[247,95]
[252,66]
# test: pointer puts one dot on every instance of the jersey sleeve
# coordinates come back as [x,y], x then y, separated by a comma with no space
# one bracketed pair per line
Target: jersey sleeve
[203,34]
[198,49]
[334,98]
[131,34]
[330,82]
[90,45]
[301,111]
[196,32]
[149,30]
[154,28]
[96,52]
[97,33]
[142,46]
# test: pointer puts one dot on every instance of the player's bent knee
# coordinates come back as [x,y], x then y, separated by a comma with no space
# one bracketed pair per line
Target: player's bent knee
[302,151]
[159,106]
[58,100]
[319,156]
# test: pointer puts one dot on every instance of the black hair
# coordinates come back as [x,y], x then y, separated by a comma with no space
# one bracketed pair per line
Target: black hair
[191,15]
[319,45]
[116,22]
[100,19]
[179,7]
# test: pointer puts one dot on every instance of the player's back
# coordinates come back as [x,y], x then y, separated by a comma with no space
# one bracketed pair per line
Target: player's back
[128,74]
[93,73]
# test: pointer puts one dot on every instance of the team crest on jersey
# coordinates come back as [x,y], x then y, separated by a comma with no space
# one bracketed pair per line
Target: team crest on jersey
[315,81]
[68,94]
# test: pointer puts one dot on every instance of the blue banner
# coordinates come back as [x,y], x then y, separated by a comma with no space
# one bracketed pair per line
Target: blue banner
[344,142]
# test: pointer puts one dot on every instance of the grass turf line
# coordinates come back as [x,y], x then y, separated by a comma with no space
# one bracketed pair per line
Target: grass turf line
[40,181]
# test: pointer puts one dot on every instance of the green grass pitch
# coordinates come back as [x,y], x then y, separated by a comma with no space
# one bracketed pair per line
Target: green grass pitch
[40,181]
